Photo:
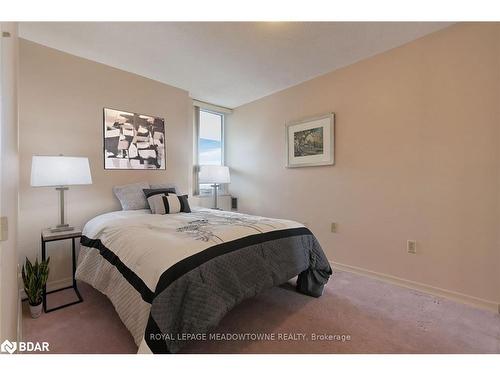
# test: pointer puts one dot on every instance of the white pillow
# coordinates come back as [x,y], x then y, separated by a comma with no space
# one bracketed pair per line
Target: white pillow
[156,204]
[162,204]
[172,204]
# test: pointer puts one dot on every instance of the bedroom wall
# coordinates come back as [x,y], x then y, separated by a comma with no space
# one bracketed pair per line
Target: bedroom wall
[61,101]
[9,170]
[417,157]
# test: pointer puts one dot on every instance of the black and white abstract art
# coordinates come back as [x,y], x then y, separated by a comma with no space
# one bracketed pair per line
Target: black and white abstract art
[133,141]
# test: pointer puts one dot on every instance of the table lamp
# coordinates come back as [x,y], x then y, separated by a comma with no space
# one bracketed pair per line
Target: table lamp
[215,175]
[60,172]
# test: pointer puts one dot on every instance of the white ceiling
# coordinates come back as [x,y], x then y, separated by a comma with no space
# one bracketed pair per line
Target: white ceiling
[227,63]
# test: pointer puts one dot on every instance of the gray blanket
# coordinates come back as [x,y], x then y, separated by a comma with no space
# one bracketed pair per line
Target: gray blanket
[194,295]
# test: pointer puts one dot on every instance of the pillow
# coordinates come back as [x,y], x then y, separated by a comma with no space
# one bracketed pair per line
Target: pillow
[163,186]
[131,196]
[157,204]
[184,203]
[152,191]
[162,203]
[154,199]
[172,204]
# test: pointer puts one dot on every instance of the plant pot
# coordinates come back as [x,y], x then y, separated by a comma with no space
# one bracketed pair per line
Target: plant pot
[36,310]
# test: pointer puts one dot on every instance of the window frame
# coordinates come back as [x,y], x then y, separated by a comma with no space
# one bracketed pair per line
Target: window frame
[196,185]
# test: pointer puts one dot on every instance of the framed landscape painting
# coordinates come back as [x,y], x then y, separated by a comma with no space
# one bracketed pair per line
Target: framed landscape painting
[311,142]
[133,141]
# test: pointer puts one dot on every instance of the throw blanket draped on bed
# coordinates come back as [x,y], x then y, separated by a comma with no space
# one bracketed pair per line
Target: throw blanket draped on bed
[184,272]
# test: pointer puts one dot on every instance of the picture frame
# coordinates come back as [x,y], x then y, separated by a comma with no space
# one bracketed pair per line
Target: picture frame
[310,142]
[133,141]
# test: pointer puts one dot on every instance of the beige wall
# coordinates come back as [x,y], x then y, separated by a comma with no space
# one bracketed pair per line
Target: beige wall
[9,180]
[417,157]
[61,110]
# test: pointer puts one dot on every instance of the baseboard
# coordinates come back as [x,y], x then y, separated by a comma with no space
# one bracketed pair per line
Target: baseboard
[52,285]
[455,296]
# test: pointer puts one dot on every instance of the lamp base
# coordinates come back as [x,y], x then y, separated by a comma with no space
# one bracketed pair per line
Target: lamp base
[215,186]
[61,228]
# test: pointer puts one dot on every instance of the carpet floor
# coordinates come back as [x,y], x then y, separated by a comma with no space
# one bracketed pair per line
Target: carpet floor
[356,314]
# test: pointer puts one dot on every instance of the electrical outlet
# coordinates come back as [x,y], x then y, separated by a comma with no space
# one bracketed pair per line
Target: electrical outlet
[411,246]
[333,228]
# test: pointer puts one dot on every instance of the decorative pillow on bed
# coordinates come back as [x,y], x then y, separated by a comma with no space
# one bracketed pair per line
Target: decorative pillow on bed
[159,204]
[162,204]
[163,186]
[154,199]
[131,196]
[183,199]
[172,204]
[148,192]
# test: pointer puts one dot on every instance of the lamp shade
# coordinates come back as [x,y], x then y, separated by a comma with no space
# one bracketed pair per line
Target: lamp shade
[214,174]
[60,171]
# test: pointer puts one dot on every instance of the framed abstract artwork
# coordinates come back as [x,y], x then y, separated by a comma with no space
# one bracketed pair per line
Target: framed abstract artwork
[311,142]
[133,141]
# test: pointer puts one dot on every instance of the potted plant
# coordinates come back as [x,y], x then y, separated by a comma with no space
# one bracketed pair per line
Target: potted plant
[34,279]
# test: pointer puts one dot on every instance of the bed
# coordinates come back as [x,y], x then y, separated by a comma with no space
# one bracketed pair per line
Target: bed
[176,276]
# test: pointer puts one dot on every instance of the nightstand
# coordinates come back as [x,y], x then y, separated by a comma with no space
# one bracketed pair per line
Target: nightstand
[48,236]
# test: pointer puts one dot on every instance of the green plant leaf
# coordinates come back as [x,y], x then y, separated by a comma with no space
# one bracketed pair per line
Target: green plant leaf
[34,279]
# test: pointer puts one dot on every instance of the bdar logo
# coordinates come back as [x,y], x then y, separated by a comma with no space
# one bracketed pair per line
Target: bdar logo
[8,347]
[24,346]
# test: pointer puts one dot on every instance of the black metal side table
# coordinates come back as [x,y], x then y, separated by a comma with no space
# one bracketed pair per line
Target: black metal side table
[48,236]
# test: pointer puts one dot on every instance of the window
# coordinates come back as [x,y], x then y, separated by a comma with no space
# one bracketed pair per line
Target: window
[210,150]
[210,142]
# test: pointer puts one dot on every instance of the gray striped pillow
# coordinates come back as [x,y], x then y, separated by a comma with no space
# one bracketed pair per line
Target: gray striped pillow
[164,203]
[172,204]
[156,204]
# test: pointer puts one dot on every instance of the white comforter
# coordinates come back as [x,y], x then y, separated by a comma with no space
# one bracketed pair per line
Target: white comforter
[149,244]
